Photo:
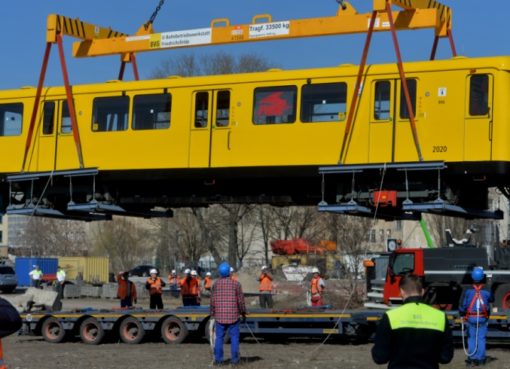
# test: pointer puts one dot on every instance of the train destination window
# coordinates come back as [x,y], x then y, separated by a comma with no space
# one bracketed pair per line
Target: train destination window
[48,117]
[479,94]
[223,109]
[110,113]
[275,105]
[404,112]
[152,111]
[324,102]
[201,109]
[11,119]
[382,100]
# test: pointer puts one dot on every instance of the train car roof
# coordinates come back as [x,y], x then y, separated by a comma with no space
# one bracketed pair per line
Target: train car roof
[226,80]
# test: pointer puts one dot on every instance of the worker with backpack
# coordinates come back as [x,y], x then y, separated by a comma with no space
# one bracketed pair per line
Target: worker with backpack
[475,307]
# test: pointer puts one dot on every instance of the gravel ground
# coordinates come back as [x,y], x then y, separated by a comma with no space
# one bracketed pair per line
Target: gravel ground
[34,353]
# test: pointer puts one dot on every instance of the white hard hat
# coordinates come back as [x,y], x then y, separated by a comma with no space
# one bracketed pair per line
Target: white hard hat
[194,272]
[187,271]
[208,274]
[173,271]
[231,270]
[264,267]
[315,270]
[153,271]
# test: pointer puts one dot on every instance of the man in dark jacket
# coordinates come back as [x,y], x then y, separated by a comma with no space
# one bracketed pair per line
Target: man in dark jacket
[415,335]
[10,322]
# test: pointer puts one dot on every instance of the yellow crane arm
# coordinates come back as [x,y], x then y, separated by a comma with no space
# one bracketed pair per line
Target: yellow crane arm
[74,27]
[263,28]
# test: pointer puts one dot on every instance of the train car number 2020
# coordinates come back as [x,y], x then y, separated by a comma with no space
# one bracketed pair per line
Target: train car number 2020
[439,148]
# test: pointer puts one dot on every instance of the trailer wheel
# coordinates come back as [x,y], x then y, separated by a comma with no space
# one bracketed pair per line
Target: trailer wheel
[53,331]
[91,331]
[173,330]
[502,297]
[131,331]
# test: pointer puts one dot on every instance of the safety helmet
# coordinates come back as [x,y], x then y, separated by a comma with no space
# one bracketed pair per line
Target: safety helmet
[194,273]
[264,267]
[174,272]
[153,271]
[208,274]
[187,271]
[477,274]
[315,270]
[224,269]
[231,270]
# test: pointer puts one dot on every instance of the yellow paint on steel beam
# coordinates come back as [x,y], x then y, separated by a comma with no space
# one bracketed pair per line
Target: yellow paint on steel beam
[270,30]
[74,27]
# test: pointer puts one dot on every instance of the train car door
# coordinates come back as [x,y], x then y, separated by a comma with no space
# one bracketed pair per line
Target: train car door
[200,130]
[210,127]
[381,137]
[66,154]
[479,118]
[43,158]
[222,114]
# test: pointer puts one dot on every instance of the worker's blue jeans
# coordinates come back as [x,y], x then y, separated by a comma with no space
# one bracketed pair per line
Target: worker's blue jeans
[233,331]
[476,339]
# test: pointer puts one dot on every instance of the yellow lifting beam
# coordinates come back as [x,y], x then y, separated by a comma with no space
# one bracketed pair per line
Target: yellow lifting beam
[416,14]
[74,27]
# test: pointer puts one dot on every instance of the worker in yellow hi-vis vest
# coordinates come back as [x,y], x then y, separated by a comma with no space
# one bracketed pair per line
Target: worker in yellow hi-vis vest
[414,335]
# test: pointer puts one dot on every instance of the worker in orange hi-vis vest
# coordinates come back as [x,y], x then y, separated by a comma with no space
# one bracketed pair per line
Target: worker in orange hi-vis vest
[317,287]
[190,288]
[233,274]
[155,286]
[266,289]
[10,322]
[207,286]
[173,282]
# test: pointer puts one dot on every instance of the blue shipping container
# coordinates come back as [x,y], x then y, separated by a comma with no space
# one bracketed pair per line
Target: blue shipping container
[24,266]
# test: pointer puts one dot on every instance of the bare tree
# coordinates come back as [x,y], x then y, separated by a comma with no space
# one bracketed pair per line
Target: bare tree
[218,63]
[55,237]
[125,241]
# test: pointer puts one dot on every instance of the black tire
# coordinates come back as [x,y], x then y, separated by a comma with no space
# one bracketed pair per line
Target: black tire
[131,331]
[173,330]
[502,297]
[53,331]
[91,331]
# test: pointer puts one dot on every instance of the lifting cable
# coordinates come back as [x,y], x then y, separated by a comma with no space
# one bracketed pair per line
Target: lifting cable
[154,14]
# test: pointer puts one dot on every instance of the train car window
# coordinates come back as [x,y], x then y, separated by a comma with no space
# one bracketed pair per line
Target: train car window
[411,85]
[48,117]
[201,109]
[479,95]
[275,105]
[110,113]
[382,100]
[152,111]
[324,102]
[223,109]
[65,121]
[11,119]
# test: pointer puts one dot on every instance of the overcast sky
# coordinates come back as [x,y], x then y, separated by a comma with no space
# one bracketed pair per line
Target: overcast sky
[480,29]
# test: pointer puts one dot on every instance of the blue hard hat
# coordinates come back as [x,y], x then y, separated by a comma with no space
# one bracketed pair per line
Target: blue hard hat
[477,274]
[224,269]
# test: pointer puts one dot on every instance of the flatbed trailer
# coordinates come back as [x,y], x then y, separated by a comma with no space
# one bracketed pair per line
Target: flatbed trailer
[176,325]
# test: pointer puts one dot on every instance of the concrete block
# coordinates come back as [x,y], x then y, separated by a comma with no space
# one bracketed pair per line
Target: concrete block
[109,291]
[72,291]
[90,291]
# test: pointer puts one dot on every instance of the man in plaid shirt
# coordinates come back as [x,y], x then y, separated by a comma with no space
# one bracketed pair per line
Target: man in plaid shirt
[227,306]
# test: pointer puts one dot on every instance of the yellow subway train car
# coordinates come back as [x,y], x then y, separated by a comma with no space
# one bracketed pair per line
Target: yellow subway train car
[260,137]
